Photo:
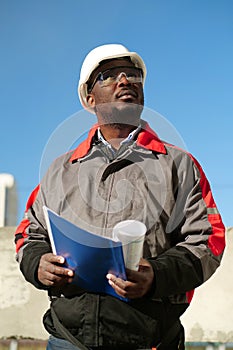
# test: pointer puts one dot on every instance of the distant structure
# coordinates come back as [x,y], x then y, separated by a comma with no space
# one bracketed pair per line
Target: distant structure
[8,200]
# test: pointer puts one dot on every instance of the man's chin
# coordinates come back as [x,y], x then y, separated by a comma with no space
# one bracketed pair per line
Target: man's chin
[127,104]
[120,113]
[118,126]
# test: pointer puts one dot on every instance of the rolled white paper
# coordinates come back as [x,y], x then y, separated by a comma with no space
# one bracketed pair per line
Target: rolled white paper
[132,234]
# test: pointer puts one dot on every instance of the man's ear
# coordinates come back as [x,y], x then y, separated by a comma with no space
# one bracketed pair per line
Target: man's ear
[90,100]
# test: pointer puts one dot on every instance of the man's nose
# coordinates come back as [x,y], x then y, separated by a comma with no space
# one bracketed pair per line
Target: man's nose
[122,79]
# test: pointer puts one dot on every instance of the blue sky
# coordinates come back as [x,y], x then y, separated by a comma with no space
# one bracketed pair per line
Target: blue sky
[187,46]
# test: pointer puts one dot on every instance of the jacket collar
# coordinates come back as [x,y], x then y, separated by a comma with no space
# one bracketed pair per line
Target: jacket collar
[147,138]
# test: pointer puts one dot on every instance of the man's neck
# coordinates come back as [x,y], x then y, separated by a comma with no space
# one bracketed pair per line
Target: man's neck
[115,133]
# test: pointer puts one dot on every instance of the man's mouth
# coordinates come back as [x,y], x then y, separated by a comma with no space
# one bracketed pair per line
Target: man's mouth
[126,95]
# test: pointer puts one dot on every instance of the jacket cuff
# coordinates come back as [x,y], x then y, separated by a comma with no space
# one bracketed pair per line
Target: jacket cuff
[30,262]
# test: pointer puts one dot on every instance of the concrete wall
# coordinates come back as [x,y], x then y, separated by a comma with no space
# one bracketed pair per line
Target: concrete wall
[21,305]
[209,318]
[210,315]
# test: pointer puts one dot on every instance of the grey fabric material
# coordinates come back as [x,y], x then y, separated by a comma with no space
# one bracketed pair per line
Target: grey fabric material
[163,190]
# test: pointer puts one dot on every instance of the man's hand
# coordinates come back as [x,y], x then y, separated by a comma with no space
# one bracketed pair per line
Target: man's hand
[138,282]
[51,274]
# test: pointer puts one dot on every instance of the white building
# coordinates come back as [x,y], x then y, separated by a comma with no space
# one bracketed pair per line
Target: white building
[8,200]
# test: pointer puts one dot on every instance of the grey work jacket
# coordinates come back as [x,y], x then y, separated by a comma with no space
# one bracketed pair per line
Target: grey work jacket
[151,181]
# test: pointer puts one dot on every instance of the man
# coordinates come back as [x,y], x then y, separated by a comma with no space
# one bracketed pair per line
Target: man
[123,171]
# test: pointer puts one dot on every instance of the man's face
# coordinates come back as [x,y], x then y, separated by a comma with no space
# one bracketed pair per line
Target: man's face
[118,102]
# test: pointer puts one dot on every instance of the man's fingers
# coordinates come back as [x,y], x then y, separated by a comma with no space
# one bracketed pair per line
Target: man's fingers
[138,282]
[49,278]
[52,258]
[115,281]
[120,286]
[50,272]
[57,270]
[49,263]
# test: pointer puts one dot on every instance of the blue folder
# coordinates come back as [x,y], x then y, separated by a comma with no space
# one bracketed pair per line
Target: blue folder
[89,255]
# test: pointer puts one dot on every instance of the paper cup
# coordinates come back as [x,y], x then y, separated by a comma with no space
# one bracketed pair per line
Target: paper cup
[132,234]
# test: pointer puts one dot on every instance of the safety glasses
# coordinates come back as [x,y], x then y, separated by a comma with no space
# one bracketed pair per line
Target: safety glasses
[115,74]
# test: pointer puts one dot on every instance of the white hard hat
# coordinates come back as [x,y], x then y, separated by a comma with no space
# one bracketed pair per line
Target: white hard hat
[95,57]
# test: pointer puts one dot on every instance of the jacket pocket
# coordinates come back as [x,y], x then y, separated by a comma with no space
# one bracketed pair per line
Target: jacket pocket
[70,312]
[122,324]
